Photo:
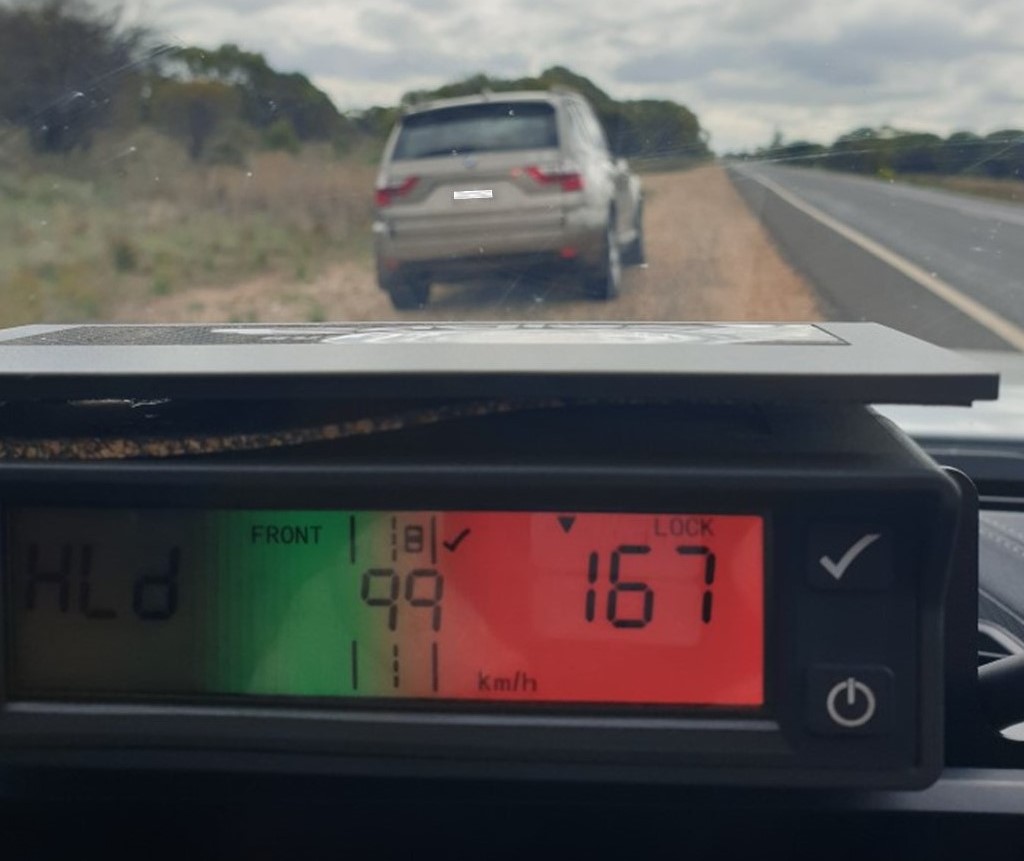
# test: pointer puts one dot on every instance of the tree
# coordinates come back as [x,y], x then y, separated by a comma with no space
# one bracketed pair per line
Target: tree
[915,153]
[374,122]
[653,129]
[1003,154]
[961,152]
[281,135]
[887,151]
[859,151]
[266,95]
[62,64]
[800,153]
[194,110]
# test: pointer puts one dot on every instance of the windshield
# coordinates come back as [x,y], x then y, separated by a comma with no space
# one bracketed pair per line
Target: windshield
[288,161]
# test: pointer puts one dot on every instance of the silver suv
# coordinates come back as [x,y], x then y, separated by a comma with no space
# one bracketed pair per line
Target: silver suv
[479,185]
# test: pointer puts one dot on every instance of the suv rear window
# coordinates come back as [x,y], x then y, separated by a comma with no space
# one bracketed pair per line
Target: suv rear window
[490,127]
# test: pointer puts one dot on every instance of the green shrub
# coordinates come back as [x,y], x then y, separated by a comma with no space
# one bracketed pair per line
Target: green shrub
[124,254]
[280,135]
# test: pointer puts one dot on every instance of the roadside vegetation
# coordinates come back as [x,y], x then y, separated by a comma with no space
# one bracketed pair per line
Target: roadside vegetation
[1009,189]
[989,165]
[82,234]
[131,170]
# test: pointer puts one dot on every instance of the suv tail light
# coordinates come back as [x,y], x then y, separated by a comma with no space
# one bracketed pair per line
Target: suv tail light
[568,180]
[386,194]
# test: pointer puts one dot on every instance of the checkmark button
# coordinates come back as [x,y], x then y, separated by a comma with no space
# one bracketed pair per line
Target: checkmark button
[849,556]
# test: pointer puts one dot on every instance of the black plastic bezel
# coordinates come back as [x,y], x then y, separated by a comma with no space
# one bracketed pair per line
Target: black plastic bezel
[769,746]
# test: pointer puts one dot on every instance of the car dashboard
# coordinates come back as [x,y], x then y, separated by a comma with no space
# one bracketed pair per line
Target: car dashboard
[795,742]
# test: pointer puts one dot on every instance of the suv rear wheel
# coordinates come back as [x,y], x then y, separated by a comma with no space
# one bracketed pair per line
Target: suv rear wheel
[634,254]
[407,292]
[603,283]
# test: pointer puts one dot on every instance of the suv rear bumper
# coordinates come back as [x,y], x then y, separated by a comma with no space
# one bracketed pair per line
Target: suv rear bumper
[489,265]
[473,248]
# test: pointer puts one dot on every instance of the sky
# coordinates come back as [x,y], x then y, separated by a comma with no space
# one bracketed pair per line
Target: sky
[806,69]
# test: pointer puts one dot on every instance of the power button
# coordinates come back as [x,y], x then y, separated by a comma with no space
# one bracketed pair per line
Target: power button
[849,699]
[851,703]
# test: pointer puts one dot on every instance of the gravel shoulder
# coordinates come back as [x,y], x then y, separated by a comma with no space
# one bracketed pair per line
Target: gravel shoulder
[709,259]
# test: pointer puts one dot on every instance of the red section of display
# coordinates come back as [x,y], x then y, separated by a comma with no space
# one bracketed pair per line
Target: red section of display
[602,608]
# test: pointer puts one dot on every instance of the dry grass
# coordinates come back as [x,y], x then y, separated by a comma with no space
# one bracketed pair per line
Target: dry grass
[998,189]
[709,259]
[344,291]
[85,236]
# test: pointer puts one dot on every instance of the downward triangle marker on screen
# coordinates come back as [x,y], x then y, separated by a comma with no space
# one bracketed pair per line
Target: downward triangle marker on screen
[567,522]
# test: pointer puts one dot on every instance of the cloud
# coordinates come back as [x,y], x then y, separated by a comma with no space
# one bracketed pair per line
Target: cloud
[859,56]
[811,68]
[667,66]
[427,5]
[398,64]
[391,27]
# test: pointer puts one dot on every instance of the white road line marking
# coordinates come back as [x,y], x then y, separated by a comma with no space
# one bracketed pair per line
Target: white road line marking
[984,316]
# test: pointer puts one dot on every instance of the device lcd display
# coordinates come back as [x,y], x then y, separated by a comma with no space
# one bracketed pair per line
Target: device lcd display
[532,607]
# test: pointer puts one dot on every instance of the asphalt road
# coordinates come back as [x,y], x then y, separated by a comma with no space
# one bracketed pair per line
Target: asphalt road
[972,245]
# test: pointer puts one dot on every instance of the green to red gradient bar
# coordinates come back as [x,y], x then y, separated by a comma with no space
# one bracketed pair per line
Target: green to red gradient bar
[459,605]
[531,607]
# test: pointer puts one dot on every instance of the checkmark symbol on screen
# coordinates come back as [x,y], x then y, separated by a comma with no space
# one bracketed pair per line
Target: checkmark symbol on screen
[455,542]
[838,569]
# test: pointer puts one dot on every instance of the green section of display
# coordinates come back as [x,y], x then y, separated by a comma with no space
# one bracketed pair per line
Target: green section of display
[284,604]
